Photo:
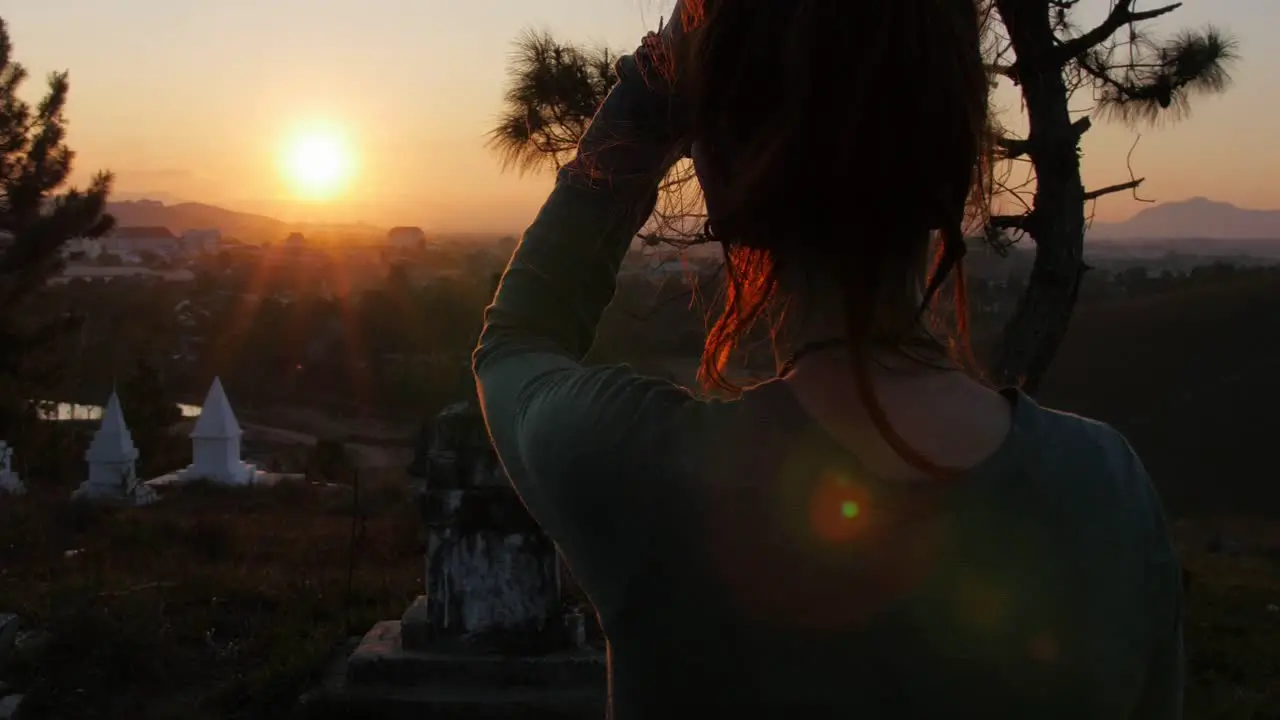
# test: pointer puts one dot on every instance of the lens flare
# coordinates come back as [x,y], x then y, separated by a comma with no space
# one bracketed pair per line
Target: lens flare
[837,509]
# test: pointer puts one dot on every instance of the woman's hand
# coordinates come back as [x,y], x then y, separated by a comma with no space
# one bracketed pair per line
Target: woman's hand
[672,31]
[658,50]
[636,133]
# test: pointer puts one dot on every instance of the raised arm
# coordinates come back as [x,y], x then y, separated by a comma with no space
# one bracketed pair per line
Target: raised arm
[556,425]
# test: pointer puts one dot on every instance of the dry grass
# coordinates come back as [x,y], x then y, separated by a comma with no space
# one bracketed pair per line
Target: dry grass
[213,604]
[1233,621]
[223,604]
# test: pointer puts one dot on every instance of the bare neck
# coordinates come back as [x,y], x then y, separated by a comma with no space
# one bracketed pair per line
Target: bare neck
[943,414]
[813,312]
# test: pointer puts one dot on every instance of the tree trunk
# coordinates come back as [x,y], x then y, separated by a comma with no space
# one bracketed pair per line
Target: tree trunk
[1033,334]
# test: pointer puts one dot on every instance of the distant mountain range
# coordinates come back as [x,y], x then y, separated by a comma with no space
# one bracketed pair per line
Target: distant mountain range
[247,227]
[1197,218]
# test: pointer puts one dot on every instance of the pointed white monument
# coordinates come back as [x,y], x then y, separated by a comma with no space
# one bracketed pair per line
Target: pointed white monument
[9,481]
[112,460]
[215,444]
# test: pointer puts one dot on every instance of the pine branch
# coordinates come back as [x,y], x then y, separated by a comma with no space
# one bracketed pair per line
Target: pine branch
[1110,189]
[1024,223]
[1122,14]
[1159,83]
[553,92]
[1015,148]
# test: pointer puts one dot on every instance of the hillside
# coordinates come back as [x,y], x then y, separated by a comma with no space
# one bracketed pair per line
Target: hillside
[1193,219]
[1191,379]
[190,216]
[243,226]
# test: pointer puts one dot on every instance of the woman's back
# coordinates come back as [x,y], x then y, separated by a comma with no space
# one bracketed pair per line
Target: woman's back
[780,575]
[843,541]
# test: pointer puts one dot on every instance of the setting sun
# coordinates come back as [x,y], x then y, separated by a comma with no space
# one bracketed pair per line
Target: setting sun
[318,164]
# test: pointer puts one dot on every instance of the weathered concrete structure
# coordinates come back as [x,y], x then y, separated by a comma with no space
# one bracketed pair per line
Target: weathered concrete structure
[10,482]
[492,635]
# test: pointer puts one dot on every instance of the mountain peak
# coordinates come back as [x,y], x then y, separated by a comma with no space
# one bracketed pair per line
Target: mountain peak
[1201,201]
[1197,217]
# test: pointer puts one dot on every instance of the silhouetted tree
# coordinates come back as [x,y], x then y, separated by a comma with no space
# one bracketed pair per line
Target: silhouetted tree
[1133,78]
[555,87]
[143,395]
[36,218]
[150,415]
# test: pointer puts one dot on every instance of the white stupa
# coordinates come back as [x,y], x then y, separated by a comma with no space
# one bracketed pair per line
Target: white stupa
[112,460]
[215,444]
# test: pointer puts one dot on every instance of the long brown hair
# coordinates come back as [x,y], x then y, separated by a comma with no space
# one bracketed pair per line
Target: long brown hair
[838,139]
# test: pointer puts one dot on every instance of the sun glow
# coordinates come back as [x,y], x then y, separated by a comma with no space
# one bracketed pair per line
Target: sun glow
[318,164]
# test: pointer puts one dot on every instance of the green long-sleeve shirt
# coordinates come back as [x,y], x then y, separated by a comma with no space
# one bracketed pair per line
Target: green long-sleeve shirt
[742,560]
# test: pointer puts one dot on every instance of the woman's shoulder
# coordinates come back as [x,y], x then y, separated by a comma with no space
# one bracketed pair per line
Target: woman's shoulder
[1089,465]
[1063,437]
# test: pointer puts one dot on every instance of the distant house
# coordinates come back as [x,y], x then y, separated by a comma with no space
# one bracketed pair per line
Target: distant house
[87,247]
[202,241]
[132,240]
[108,274]
[406,238]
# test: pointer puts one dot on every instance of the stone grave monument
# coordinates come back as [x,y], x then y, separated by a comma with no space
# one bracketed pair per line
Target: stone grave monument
[112,460]
[215,444]
[492,635]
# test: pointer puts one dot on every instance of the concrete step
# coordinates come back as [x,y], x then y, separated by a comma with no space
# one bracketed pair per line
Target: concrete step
[413,703]
[381,659]
[374,677]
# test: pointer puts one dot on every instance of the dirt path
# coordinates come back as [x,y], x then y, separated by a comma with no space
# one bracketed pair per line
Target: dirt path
[363,455]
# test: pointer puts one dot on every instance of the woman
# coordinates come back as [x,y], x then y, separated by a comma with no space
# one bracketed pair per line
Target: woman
[874,533]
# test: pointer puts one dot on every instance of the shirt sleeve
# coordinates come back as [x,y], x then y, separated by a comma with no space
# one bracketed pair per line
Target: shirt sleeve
[570,437]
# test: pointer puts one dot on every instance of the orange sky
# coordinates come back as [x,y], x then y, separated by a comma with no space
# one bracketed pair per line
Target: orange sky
[198,99]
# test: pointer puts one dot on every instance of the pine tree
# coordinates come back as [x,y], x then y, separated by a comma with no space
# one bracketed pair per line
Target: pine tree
[37,218]
[1131,77]
[150,416]
[554,88]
